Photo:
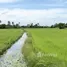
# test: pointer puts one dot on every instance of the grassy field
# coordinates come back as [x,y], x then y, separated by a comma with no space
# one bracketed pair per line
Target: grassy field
[8,37]
[50,44]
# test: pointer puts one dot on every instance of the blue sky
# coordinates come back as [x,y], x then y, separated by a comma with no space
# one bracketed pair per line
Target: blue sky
[46,12]
[33,4]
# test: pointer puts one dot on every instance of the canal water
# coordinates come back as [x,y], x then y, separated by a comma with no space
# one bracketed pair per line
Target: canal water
[14,57]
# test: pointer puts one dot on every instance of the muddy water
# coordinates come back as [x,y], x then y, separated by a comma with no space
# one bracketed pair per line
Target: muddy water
[14,57]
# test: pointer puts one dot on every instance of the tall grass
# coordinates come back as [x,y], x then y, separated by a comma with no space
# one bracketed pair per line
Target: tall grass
[8,37]
[36,57]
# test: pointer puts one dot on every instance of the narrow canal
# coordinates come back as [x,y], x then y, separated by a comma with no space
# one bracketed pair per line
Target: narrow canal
[14,57]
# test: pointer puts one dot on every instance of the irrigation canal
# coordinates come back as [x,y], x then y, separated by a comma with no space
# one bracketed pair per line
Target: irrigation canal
[14,57]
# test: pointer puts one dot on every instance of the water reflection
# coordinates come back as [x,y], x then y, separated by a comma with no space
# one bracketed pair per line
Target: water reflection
[13,57]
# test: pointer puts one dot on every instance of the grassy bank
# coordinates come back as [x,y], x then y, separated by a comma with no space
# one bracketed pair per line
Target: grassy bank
[8,37]
[46,48]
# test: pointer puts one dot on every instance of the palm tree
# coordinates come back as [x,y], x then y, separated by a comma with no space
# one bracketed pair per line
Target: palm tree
[13,23]
[0,21]
[9,24]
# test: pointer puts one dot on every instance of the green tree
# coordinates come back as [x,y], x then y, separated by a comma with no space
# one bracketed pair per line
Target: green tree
[0,21]
[31,25]
[13,23]
[61,25]
[3,26]
[9,24]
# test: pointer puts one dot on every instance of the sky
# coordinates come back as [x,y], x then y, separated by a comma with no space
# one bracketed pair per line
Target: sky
[45,12]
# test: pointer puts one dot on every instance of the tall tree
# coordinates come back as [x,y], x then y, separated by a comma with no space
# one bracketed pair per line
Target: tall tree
[0,21]
[36,25]
[9,24]
[31,25]
[61,25]
[13,23]
[17,25]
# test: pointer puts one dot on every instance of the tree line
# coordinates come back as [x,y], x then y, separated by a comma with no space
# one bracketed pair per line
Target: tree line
[59,25]
[31,25]
[9,25]
[37,25]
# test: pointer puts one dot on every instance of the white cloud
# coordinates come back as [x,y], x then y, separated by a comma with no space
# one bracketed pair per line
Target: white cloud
[7,1]
[44,17]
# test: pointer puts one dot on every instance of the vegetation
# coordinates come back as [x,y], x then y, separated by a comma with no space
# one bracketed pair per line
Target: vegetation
[31,25]
[9,25]
[59,25]
[8,37]
[46,48]
[37,25]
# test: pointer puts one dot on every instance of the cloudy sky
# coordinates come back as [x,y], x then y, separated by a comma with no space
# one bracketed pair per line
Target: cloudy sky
[45,12]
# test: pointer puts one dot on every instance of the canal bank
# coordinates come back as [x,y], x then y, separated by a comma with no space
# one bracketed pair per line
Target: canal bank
[14,57]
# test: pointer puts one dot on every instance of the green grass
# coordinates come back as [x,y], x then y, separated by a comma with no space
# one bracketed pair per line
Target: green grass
[8,37]
[47,41]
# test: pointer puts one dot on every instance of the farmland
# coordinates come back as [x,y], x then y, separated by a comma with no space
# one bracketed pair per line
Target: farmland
[8,37]
[46,41]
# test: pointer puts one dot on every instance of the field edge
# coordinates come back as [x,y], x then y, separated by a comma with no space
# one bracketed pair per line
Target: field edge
[10,44]
[30,55]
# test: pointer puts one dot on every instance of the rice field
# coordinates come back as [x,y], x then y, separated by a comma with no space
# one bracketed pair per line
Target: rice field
[8,37]
[50,44]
